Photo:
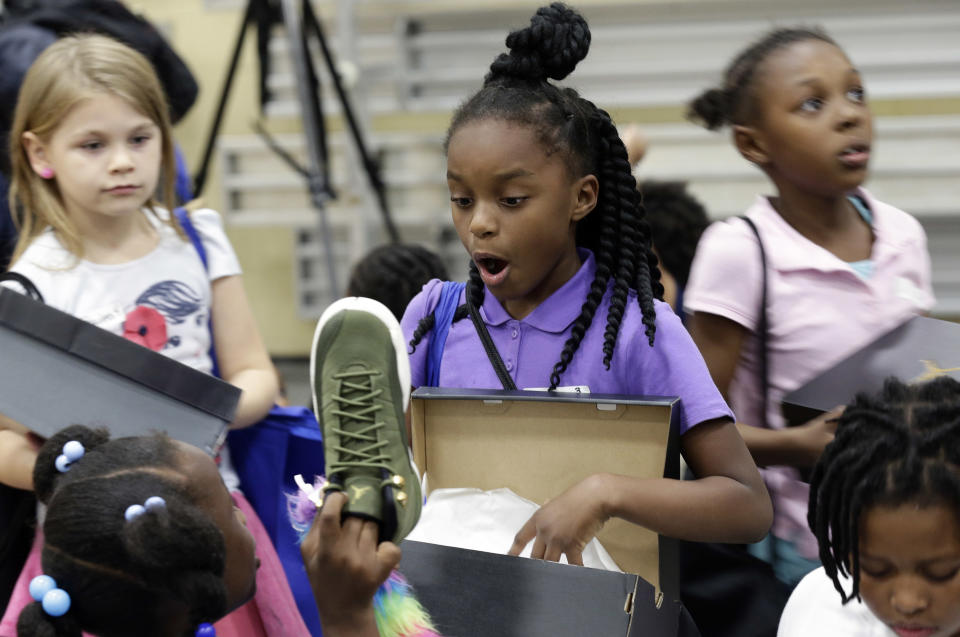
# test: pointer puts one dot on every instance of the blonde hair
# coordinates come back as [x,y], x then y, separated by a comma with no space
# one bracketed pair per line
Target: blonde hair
[69,71]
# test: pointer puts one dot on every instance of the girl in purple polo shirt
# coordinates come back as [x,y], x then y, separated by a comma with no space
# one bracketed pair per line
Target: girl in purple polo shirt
[843,268]
[564,280]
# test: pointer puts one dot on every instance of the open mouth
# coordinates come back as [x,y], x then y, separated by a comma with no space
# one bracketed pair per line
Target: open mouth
[492,265]
[855,155]
[854,149]
[493,270]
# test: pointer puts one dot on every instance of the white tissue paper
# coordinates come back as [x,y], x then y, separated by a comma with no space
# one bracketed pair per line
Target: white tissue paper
[487,521]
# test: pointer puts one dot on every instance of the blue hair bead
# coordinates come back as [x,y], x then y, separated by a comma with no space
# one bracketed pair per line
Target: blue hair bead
[62,463]
[56,602]
[205,630]
[133,512]
[40,586]
[73,450]
[155,502]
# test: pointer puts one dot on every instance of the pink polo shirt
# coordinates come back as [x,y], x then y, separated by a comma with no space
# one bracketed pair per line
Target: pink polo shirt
[819,312]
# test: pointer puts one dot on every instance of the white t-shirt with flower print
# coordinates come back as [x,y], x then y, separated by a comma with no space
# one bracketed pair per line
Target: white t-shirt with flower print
[161,300]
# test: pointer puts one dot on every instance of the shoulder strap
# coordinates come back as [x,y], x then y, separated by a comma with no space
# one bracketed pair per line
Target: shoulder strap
[490,348]
[762,325]
[183,218]
[442,320]
[25,283]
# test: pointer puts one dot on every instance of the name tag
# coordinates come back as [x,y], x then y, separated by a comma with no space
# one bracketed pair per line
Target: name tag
[571,389]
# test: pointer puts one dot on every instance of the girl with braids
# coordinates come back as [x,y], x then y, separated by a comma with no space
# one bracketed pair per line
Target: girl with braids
[563,278]
[885,508]
[163,572]
[841,267]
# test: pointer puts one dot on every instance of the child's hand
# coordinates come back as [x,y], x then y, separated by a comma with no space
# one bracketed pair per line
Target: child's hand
[346,566]
[565,524]
[816,434]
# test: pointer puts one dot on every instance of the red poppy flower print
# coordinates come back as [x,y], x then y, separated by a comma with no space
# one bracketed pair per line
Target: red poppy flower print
[146,326]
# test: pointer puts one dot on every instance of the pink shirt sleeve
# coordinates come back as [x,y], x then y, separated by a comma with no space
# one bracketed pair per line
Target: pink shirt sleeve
[726,275]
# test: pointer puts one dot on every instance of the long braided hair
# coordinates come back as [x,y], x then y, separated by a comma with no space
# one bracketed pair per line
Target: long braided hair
[517,90]
[119,573]
[900,446]
[734,102]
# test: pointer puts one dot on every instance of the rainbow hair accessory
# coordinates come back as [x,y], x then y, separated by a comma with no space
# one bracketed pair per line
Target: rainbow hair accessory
[397,611]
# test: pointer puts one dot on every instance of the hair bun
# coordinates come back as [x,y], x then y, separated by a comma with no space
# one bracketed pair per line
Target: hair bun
[556,40]
[45,474]
[711,108]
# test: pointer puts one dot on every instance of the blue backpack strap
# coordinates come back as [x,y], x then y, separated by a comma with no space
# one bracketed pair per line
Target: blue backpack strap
[183,218]
[443,319]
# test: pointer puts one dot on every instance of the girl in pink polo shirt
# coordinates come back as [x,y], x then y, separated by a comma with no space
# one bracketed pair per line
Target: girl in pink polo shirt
[563,279]
[842,267]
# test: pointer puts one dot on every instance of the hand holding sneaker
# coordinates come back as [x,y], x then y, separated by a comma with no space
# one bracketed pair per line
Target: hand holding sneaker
[346,565]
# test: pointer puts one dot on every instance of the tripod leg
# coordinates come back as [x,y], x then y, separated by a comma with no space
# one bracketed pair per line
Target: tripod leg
[370,166]
[319,184]
[200,180]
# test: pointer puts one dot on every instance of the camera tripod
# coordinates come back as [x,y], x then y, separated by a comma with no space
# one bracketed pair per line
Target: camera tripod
[300,22]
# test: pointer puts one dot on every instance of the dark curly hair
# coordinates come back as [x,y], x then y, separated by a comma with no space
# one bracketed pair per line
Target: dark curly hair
[393,274]
[676,220]
[118,573]
[734,101]
[900,446]
[516,90]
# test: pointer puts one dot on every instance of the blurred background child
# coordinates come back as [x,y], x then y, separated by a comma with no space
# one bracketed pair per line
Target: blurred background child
[842,267]
[885,509]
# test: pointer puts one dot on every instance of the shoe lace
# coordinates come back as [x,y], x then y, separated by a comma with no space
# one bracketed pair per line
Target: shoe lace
[357,426]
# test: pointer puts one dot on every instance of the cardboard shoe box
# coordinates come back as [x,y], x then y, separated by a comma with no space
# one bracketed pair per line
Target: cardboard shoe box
[538,444]
[57,370]
[920,349]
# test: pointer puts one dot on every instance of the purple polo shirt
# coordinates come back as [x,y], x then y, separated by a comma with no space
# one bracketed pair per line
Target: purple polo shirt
[531,347]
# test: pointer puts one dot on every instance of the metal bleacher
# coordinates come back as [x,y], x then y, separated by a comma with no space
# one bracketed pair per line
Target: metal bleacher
[419,59]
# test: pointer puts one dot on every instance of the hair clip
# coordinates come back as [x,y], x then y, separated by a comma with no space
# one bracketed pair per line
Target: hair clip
[153,503]
[72,451]
[55,601]
[205,630]
[313,494]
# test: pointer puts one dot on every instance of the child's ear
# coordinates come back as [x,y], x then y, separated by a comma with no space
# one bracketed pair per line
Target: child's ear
[36,153]
[750,143]
[588,188]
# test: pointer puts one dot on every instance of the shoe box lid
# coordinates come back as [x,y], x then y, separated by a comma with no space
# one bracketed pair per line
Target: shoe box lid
[477,594]
[540,443]
[57,370]
[920,349]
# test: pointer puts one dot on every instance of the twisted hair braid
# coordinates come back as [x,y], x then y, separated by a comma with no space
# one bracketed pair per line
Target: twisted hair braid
[516,90]
[734,101]
[900,446]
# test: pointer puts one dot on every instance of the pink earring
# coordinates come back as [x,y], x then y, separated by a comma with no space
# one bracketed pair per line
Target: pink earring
[46,172]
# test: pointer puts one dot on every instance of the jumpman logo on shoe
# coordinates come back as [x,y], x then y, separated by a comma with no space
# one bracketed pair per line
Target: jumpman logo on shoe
[356,491]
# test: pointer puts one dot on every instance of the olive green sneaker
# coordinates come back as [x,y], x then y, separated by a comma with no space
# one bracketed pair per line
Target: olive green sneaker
[361,386]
